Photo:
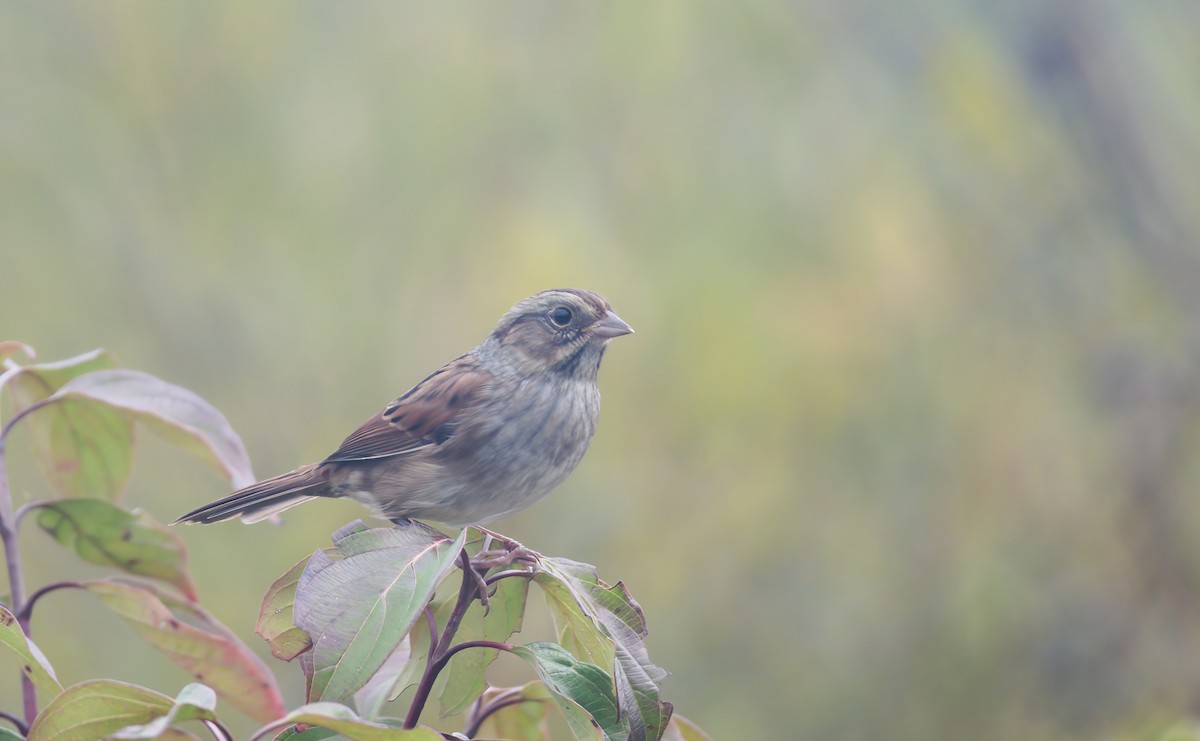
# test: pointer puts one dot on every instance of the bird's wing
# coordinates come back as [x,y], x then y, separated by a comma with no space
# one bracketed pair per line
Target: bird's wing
[425,415]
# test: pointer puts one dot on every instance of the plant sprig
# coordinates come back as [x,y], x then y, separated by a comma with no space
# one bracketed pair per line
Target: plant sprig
[387,630]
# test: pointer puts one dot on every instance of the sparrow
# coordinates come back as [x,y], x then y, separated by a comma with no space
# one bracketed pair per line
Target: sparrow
[487,434]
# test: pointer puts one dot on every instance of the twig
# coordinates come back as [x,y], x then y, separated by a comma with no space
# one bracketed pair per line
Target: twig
[218,731]
[431,621]
[466,593]
[17,722]
[444,650]
[445,658]
[8,533]
[501,701]
[12,555]
[23,510]
[12,560]
[506,574]
[26,612]
[41,404]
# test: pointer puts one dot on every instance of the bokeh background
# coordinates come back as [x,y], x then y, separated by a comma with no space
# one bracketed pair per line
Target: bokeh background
[905,445]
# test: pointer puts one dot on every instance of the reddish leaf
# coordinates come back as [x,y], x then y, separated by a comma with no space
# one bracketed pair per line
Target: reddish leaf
[200,645]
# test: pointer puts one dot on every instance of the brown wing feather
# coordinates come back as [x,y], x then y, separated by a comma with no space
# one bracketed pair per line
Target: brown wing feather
[421,417]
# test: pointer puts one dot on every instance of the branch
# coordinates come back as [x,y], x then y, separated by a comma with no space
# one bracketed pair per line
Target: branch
[501,701]
[442,650]
[218,731]
[526,573]
[12,554]
[431,621]
[23,510]
[26,612]
[20,726]
[445,658]
[8,532]
[12,559]
[8,522]
[466,594]
[22,415]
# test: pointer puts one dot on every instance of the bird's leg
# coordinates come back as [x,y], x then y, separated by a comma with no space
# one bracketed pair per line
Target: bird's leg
[506,541]
[481,587]
[488,558]
[511,551]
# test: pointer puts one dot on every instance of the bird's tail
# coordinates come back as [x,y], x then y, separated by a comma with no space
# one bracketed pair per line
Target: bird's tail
[262,500]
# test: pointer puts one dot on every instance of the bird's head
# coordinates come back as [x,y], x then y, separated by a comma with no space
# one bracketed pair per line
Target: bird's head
[562,330]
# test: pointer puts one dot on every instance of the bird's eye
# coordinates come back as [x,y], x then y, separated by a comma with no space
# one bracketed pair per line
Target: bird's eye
[561,316]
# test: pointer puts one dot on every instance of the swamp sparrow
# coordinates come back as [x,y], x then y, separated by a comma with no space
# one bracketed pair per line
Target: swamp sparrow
[488,434]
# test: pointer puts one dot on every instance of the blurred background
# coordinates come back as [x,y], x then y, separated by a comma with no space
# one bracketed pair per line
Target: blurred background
[904,446]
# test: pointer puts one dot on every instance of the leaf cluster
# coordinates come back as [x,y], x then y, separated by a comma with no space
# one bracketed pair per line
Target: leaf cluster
[367,619]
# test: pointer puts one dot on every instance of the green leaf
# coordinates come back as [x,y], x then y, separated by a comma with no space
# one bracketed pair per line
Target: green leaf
[29,657]
[525,720]
[371,698]
[83,450]
[343,720]
[419,642]
[180,416]
[275,624]
[577,630]
[7,733]
[202,645]
[194,702]
[407,673]
[406,665]
[584,692]
[682,729]
[104,534]
[310,733]
[97,708]
[464,680]
[604,625]
[358,608]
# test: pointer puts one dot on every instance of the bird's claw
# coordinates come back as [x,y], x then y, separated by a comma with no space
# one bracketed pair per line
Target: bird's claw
[481,588]
[488,558]
[491,559]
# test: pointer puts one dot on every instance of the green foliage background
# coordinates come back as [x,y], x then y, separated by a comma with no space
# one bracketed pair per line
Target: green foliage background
[904,445]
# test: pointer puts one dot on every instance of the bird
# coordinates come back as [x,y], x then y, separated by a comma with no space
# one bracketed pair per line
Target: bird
[486,435]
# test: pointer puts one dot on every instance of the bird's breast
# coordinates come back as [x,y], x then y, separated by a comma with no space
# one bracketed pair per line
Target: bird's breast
[530,440]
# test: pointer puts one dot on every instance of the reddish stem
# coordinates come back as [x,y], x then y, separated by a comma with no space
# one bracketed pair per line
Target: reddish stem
[12,559]
[443,650]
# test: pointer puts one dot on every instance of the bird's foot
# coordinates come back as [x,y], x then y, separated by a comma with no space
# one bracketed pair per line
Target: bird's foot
[489,558]
[481,587]
[510,551]
[520,552]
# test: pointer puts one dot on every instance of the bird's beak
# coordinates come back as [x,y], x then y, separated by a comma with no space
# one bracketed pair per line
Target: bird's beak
[611,326]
